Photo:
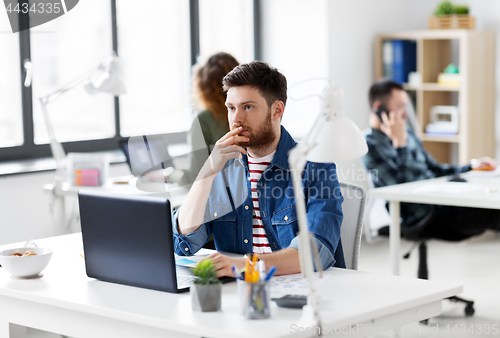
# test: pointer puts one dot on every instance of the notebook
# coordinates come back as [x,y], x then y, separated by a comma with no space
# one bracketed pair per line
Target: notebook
[127,239]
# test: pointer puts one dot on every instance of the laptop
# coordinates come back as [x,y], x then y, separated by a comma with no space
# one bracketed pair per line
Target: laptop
[127,239]
[146,153]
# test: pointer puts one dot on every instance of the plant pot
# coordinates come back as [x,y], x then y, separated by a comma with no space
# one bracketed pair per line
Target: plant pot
[455,21]
[205,298]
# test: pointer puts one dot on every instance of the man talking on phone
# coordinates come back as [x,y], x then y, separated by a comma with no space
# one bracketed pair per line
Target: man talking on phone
[243,195]
[395,155]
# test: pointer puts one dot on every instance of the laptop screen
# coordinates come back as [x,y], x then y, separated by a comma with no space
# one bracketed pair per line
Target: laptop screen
[128,239]
[146,153]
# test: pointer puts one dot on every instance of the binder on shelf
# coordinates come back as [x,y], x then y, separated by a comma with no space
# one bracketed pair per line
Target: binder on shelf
[404,59]
[387,56]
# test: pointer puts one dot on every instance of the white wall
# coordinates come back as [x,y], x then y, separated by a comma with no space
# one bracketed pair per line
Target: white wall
[25,207]
[295,40]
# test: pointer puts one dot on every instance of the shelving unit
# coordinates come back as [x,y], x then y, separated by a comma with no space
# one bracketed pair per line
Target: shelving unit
[475,96]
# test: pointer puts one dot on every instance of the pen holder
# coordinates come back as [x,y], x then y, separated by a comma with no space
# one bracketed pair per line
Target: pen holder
[254,299]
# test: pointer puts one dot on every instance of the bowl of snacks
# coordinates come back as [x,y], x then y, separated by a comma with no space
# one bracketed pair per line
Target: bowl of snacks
[25,262]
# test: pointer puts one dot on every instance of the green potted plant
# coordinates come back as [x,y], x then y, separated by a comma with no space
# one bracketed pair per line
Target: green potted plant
[206,290]
[445,8]
[450,16]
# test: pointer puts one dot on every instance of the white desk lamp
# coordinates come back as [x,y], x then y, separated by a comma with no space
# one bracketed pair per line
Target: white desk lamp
[104,78]
[332,138]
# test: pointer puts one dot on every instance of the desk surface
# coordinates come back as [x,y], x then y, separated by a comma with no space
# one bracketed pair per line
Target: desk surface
[128,185]
[478,192]
[94,308]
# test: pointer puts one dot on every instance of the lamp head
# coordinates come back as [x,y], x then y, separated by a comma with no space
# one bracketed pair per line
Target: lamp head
[339,138]
[109,80]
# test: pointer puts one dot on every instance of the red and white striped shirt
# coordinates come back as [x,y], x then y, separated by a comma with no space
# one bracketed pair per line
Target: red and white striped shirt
[256,167]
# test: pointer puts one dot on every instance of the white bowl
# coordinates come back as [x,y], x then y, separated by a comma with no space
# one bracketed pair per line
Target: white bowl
[27,266]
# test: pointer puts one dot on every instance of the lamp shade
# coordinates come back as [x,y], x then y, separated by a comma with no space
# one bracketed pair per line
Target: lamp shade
[338,141]
[109,80]
[339,138]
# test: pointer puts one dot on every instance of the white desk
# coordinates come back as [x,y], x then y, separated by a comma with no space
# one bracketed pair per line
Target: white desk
[478,192]
[119,185]
[67,302]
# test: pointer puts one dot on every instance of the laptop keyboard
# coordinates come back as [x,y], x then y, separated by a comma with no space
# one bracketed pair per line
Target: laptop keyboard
[184,281]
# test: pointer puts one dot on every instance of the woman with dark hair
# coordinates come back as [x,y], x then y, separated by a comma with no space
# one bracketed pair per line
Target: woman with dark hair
[211,123]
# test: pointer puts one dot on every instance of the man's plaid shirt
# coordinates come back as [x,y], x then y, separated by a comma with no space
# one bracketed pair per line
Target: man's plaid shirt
[388,165]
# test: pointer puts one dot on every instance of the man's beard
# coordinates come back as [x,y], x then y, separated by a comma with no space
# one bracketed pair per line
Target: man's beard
[261,137]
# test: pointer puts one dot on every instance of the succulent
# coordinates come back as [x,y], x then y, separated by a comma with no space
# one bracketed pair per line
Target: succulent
[445,8]
[205,272]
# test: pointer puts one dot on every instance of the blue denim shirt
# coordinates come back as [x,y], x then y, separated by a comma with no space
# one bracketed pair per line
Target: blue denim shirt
[228,213]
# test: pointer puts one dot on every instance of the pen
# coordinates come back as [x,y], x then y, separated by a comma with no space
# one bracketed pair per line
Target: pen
[262,269]
[271,272]
[248,271]
[255,273]
[236,272]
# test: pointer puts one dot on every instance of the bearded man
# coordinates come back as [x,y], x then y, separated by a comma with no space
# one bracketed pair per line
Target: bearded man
[243,195]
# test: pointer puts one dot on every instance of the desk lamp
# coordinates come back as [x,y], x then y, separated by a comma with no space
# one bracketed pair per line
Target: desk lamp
[332,138]
[104,78]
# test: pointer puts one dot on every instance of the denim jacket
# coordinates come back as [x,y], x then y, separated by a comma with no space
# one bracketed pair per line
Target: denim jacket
[229,209]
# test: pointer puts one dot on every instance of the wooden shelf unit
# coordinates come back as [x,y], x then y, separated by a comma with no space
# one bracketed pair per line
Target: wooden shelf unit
[475,95]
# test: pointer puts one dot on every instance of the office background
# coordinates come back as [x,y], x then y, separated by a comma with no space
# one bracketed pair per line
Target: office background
[304,39]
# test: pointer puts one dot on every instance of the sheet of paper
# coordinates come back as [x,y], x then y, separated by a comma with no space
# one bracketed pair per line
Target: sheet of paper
[292,285]
[190,263]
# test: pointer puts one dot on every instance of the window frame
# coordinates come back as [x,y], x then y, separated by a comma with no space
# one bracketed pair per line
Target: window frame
[30,150]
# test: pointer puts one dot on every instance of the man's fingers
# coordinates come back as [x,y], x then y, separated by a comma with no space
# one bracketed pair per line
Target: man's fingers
[229,134]
[234,139]
[233,149]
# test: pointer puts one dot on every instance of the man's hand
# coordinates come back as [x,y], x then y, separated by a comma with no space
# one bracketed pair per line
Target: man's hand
[483,163]
[225,149]
[224,263]
[394,127]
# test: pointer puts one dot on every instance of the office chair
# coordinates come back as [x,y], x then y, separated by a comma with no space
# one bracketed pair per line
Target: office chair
[352,224]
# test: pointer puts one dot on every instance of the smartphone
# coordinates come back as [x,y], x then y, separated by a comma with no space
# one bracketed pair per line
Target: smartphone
[381,109]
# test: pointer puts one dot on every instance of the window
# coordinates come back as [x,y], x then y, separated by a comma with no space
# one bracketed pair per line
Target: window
[63,50]
[157,45]
[225,26]
[155,52]
[11,123]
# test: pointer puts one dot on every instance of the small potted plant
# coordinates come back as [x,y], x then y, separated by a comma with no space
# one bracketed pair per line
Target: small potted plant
[450,16]
[206,290]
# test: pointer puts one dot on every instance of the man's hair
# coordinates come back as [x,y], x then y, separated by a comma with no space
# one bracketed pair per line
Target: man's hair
[382,90]
[257,74]
[207,83]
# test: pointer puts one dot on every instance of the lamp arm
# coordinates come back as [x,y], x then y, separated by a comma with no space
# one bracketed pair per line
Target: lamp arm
[55,146]
[297,160]
[68,86]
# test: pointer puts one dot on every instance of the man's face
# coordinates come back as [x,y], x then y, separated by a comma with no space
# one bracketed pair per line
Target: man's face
[398,102]
[247,108]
